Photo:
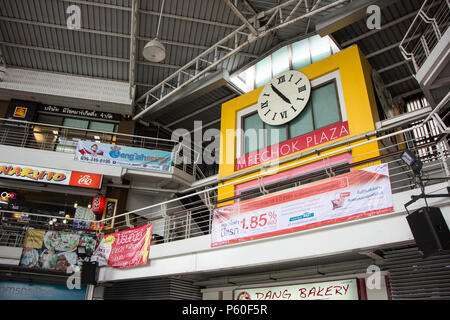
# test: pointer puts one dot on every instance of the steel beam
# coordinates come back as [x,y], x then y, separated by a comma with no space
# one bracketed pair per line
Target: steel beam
[241,17]
[135,6]
[240,42]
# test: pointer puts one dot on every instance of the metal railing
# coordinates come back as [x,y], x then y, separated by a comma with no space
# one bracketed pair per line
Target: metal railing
[425,31]
[49,137]
[173,220]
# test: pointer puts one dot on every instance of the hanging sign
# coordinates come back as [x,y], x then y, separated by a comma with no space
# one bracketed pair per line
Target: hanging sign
[123,156]
[124,249]
[361,193]
[98,204]
[331,290]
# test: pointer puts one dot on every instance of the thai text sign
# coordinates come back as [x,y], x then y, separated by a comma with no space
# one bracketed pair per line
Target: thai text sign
[123,156]
[331,290]
[54,176]
[361,193]
[124,249]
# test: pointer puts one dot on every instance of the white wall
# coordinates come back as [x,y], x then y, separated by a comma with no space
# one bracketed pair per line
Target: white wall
[10,255]
[196,254]
[53,160]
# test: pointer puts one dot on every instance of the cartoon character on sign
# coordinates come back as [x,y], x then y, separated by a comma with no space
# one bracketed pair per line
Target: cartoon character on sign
[93,151]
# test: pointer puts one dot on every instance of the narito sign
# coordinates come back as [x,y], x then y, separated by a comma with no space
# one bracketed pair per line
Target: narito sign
[53,176]
[331,290]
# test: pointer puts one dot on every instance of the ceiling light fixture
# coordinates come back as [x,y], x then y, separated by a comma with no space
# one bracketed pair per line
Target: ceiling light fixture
[154,50]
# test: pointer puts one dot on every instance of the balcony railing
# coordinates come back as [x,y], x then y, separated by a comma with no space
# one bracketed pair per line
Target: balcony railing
[426,30]
[173,221]
[64,139]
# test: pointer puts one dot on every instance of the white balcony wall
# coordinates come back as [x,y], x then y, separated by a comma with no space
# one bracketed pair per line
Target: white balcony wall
[196,255]
[54,160]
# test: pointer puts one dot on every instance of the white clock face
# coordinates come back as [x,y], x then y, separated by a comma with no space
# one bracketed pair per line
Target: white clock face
[284,97]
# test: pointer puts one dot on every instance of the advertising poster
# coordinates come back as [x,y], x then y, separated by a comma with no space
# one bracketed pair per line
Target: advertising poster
[358,194]
[124,249]
[123,156]
[331,290]
[55,250]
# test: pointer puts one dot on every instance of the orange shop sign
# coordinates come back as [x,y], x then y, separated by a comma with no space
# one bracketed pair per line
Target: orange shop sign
[46,175]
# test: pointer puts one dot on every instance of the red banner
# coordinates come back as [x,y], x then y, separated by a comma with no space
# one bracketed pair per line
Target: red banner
[124,249]
[354,195]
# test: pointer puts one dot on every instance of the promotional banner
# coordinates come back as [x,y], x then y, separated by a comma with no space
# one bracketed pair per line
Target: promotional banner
[331,290]
[53,176]
[55,250]
[124,249]
[123,156]
[361,193]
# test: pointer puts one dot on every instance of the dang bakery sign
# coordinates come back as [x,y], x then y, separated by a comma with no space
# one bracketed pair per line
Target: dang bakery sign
[53,176]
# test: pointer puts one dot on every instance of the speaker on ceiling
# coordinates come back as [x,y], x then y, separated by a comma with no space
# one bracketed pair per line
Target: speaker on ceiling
[430,230]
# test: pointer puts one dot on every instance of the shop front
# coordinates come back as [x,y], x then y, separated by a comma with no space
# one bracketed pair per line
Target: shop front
[47,195]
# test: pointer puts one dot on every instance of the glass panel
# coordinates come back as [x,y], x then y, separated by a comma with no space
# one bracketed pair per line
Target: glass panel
[280,61]
[263,72]
[302,124]
[44,137]
[275,134]
[76,123]
[300,54]
[325,105]
[101,126]
[252,133]
[43,118]
[320,48]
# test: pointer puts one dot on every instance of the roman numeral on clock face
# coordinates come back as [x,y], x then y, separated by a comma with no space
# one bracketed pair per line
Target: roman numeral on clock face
[264,104]
[301,89]
[281,79]
[284,114]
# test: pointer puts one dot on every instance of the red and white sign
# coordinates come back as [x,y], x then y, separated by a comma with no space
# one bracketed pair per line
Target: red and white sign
[331,290]
[53,176]
[124,249]
[98,204]
[285,148]
[361,193]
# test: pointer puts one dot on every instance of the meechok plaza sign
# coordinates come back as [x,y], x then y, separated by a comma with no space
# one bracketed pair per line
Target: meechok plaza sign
[53,176]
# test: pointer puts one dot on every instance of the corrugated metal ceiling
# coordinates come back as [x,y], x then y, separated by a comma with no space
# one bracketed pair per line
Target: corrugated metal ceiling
[381,46]
[34,35]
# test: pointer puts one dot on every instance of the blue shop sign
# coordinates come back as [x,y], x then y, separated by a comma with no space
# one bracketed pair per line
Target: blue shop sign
[12,290]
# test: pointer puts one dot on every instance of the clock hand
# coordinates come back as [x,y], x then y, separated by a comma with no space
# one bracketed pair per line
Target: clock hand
[282,96]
